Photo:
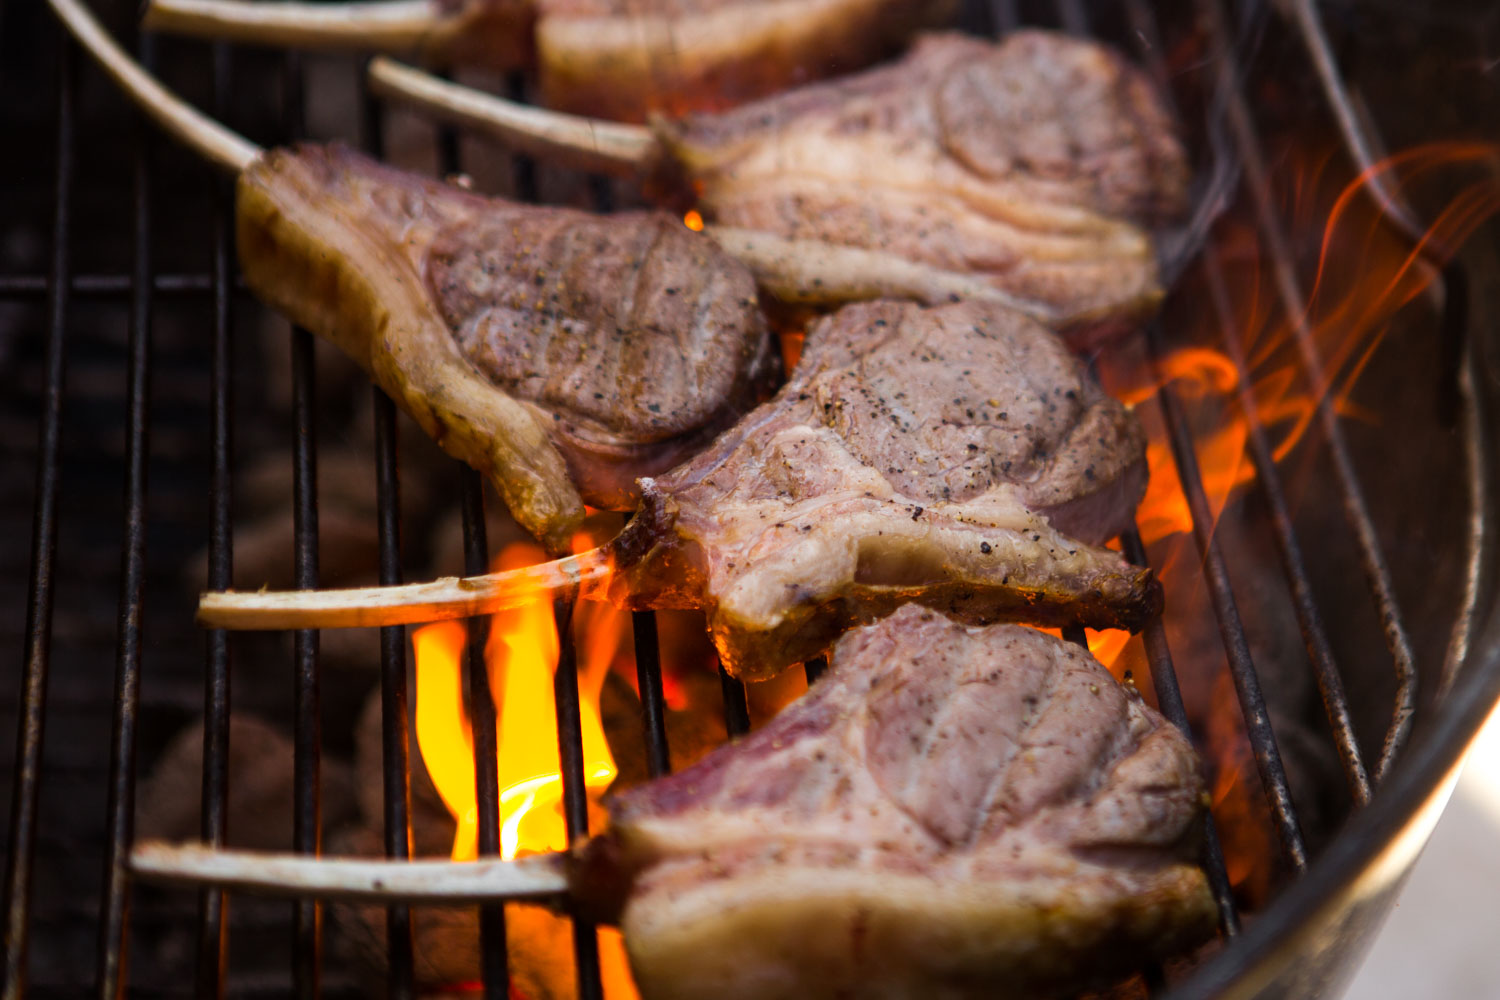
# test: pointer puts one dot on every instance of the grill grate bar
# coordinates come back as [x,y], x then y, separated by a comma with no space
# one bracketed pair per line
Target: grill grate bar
[1169,702]
[1363,144]
[113,928]
[28,286]
[736,704]
[307,723]
[1356,509]
[395,766]
[653,700]
[212,938]
[1231,627]
[575,794]
[1357,141]
[1158,651]
[1294,567]
[39,594]
[495,963]
[1268,477]
[494,960]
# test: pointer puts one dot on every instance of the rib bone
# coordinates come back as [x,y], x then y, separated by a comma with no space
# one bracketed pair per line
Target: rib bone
[542,876]
[408,604]
[385,24]
[583,143]
[200,133]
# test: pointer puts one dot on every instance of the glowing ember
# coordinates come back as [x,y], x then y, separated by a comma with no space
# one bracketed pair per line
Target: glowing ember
[693,221]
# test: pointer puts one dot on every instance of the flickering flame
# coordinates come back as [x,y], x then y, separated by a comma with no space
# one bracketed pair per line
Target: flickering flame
[693,221]
[1366,274]
[443,735]
[520,657]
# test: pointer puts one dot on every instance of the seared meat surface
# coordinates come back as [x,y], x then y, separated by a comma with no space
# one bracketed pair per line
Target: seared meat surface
[958,456]
[950,812]
[560,353]
[1024,170]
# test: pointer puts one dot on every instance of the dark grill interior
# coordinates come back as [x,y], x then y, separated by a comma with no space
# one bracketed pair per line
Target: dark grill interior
[136,374]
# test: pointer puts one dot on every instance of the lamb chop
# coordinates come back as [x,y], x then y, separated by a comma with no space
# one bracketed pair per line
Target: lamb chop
[950,812]
[1026,171]
[958,456]
[562,354]
[620,59]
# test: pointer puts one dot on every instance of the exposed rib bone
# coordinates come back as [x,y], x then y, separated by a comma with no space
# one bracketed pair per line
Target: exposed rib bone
[438,600]
[184,122]
[391,24]
[584,143]
[271,873]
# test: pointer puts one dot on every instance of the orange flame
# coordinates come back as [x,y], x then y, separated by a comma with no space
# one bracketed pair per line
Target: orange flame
[1366,274]
[444,737]
[521,658]
[693,221]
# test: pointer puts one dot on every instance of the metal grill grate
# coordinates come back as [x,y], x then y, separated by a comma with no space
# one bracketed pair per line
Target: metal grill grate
[62,287]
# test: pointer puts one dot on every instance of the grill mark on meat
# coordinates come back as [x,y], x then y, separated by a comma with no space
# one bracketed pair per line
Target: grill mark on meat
[529,306]
[1056,734]
[993,798]
[1086,116]
[835,884]
[1012,440]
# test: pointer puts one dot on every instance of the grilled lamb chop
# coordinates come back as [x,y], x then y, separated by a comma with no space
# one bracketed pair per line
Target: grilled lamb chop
[950,812]
[619,59]
[1025,171]
[625,342]
[958,456]
[561,354]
